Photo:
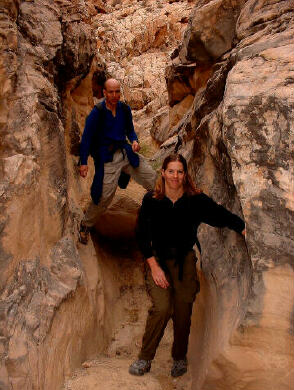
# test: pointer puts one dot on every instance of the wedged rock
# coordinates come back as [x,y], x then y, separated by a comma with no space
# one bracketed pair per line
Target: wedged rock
[119,221]
[183,80]
[179,82]
[211,32]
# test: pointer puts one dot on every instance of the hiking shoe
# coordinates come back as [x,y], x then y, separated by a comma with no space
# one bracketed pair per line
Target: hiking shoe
[84,234]
[140,367]
[179,368]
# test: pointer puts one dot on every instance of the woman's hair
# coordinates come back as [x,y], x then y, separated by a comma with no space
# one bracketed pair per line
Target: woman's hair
[189,186]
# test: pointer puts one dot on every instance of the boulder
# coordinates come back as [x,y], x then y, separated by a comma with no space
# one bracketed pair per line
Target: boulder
[212,31]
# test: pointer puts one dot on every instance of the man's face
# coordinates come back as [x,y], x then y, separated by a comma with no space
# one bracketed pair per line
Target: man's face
[112,93]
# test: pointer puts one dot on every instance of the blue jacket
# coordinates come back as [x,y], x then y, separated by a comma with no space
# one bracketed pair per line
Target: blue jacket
[102,136]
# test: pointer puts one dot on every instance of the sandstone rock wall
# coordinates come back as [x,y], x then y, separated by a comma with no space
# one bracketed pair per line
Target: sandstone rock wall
[228,108]
[238,136]
[43,281]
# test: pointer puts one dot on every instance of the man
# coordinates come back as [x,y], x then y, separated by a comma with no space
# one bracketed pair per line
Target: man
[105,137]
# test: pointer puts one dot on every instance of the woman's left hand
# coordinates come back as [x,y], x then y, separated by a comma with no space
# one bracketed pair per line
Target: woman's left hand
[157,273]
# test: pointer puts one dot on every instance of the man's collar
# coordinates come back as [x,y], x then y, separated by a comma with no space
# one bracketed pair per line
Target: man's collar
[108,108]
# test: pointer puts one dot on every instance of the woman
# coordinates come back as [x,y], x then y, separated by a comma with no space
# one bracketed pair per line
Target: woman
[166,232]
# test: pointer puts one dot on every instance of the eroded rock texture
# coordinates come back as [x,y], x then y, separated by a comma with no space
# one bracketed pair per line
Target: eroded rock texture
[238,136]
[228,108]
[136,39]
[45,44]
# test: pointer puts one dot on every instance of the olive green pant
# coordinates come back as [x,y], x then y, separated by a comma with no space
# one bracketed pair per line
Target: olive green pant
[174,302]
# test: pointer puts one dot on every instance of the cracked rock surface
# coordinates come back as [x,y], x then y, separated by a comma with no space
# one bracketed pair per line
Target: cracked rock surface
[211,79]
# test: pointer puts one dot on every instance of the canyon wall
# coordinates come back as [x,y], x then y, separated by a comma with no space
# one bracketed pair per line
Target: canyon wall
[44,282]
[52,69]
[238,136]
[228,108]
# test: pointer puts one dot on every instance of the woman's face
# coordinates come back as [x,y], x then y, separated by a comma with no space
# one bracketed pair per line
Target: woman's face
[174,175]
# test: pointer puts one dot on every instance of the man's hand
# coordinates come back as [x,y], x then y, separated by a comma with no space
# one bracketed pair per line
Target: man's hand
[83,170]
[135,146]
[157,273]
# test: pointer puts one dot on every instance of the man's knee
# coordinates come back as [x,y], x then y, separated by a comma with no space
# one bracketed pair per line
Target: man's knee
[147,173]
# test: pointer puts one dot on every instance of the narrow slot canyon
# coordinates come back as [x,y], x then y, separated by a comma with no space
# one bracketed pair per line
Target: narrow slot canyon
[123,306]
[212,80]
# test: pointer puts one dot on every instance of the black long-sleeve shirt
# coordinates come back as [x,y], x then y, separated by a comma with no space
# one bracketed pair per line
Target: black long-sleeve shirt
[163,226]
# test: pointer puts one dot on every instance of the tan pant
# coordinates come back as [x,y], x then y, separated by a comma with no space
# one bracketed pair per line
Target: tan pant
[143,175]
